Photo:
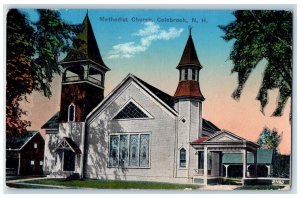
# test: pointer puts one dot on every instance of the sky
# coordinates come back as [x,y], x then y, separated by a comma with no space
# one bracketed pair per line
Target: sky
[151,50]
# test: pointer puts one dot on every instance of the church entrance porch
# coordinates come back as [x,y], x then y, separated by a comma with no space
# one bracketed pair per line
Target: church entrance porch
[212,158]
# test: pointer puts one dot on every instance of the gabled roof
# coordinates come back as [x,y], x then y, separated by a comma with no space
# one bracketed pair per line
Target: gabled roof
[52,123]
[17,143]
[68,143]
[162,95]
[189,55]
[264,156]
[84,47]
[207,125]
[200,140]
[225,135]
[163,98]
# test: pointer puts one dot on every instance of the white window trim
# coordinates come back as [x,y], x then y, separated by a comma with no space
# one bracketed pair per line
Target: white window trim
[130,133]
[32,162]
[72,104]
[41,163]
[186,157]
[35,145]
[149,116]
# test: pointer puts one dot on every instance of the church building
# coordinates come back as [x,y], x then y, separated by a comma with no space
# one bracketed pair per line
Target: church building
[136,132]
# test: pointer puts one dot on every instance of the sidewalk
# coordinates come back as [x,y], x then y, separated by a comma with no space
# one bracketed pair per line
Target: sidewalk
[26,179]
[219,187]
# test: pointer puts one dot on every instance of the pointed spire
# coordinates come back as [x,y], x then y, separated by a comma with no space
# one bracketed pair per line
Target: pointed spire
[84,47]
[189,55]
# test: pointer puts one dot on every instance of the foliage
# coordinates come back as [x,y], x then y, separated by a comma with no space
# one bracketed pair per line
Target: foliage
[262,35]
[19,68]
[269,139]
[33,50]
[281,166]
[110,184]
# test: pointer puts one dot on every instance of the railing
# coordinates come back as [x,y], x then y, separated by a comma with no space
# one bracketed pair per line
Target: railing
[73,78]
[94,80]
[200,172]
[81,78]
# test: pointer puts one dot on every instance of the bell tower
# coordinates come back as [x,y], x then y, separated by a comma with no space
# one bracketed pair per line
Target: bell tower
[83,76]
[188,103]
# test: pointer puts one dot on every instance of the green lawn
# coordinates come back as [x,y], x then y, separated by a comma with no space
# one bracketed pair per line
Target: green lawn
[23,186]
[260,187]
[109,184]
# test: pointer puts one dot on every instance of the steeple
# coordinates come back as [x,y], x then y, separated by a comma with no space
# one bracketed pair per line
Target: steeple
[83,76]
[84,47]
[189,55]
[189,67]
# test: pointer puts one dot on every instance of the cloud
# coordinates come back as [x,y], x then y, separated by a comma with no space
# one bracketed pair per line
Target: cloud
[151,32]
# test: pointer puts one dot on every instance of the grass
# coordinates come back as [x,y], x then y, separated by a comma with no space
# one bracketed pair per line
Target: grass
[260,187]
[109,184]
[24,186]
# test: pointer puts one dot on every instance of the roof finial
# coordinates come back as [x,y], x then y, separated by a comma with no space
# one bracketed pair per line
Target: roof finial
[190,29]
[87,12]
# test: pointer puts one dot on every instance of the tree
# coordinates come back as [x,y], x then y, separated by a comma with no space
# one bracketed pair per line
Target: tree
[269,139]
[262,35]
[19,69]
[33,50]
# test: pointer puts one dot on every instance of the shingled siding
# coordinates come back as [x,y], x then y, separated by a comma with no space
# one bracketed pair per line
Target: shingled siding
[189,125]
[83,95]
[53,166]
[162,138]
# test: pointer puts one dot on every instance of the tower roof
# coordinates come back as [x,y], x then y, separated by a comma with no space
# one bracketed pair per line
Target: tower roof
[84,47]
[189,55]
[190,89]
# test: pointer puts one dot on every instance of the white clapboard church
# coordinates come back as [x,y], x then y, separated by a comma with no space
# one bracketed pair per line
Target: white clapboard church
[138,132]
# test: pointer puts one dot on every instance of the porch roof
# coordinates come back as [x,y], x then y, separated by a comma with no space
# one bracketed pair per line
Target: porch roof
[264,156]
[68,143]
[224,139]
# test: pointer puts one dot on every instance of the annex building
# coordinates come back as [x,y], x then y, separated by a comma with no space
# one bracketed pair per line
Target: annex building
[138,132]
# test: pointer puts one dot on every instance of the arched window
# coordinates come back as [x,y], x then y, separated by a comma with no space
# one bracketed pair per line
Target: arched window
[71,113]
[182,158]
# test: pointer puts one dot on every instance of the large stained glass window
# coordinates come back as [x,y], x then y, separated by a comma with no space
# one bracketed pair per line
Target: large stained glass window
[129,150]
[114,150]
[144,150]
[123,150]
[134,147]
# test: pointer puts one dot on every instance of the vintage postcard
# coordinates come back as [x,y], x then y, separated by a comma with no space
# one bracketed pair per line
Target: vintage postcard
[196,99]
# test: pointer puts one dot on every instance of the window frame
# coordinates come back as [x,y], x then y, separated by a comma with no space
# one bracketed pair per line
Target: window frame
[138,152]
[180,160]
[74,113]
[149,116]
[32,162]
[193,74]
[35,146]
[186,74]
